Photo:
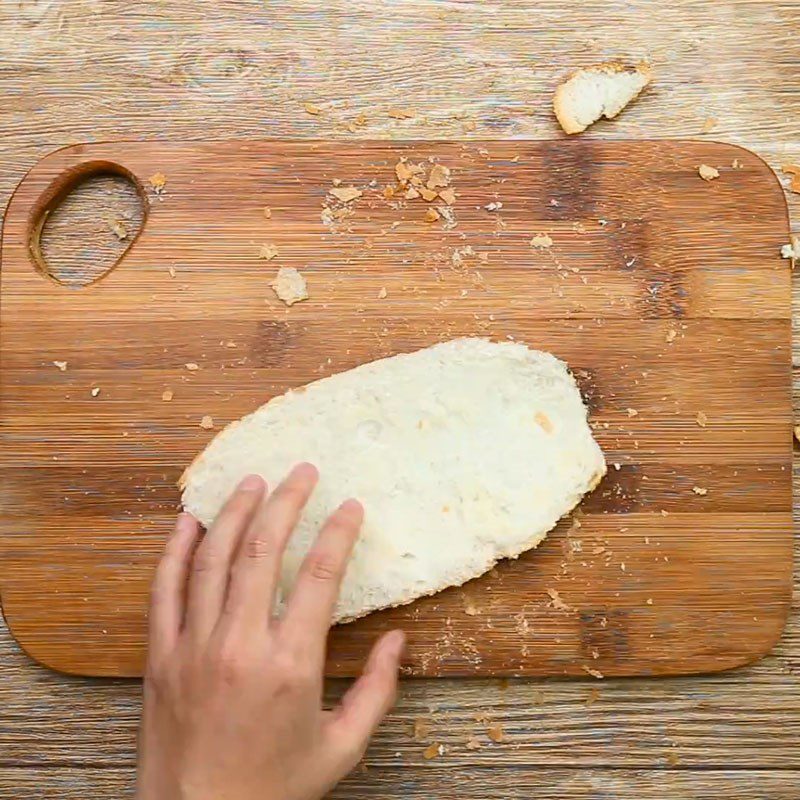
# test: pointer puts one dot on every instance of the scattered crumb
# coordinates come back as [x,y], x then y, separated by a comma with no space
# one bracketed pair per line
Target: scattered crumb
[709,124]
[470,609]
[543,421]
[702,419]
[664,512]
[411,193]
[171,271]
[95,391]
[496,205]
[594,696]
[438,177]
[794,171]
[796,428]
[267,211]
[345,193]
[707,173]
[428,195]
[312,109]
[595,673]
[191,366]
[791,250]
[290,286]
[557,602]
[649,601]
[207,423]
[737,164]
[632,412]
[473,744]
[421,729]
[448,196]
[158,182]
[432,751]
[268,252]
[401,113]
[167,396]
[382,293]
[670,337]
[62,365]
[542,241]
[431,215]
[700,490]
[495,732]
[117,227]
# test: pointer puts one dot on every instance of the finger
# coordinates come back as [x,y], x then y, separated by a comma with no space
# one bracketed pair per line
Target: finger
[210,573]
[313,597]
[168,591]
[369,699]
[254,576]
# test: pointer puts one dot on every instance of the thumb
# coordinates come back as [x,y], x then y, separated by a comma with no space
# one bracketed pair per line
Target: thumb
[369,699]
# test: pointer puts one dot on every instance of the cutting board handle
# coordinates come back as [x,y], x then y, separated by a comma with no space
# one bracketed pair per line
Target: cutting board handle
[43,189]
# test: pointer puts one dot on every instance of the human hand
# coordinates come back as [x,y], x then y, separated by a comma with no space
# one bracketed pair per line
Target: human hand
[233,696]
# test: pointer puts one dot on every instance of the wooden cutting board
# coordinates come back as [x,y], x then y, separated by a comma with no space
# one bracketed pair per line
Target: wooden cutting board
[665,294]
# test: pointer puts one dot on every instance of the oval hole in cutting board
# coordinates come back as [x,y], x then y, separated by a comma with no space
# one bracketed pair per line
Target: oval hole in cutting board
[85,236]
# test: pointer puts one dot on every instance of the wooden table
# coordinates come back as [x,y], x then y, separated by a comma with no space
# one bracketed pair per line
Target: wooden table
[83,70]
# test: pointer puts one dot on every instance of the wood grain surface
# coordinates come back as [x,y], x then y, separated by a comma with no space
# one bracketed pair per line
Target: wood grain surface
[679,562]
[80,70]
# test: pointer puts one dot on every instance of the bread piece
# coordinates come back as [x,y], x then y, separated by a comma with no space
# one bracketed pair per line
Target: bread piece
[462,454]
[602,90]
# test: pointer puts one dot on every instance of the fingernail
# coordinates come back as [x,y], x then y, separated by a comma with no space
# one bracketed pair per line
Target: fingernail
[305,469]
[252,483]
[352,506]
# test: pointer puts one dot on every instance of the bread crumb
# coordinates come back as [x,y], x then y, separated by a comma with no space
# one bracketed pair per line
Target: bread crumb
[632,412]
[117,227]
[267,211]
[401,113]
[158,182]
[594,696]
[556,601]
[448,196]
[791,250]
[736,164]
[495,205]
[649,601]
[700,490]
[421,729]
[345,194]
[171,271]
[411,193]
[670,337]
[312,109]
[601,90]
[290,286]
[431,215]
[191,366]
[382,293]
[595,673]
[796,427]
[543,421]
[432,751]
[709,124]
[702,419]
[794,171]
[167,396]
[707,173]
[473,744]
[438,177]
[541,241]
[207,423]
[62,365]
[428,195]
[495,732]
[268,252]
[95,391]
[664,512]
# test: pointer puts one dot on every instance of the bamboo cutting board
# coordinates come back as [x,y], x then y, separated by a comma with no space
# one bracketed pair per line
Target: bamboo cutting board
[665,294]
